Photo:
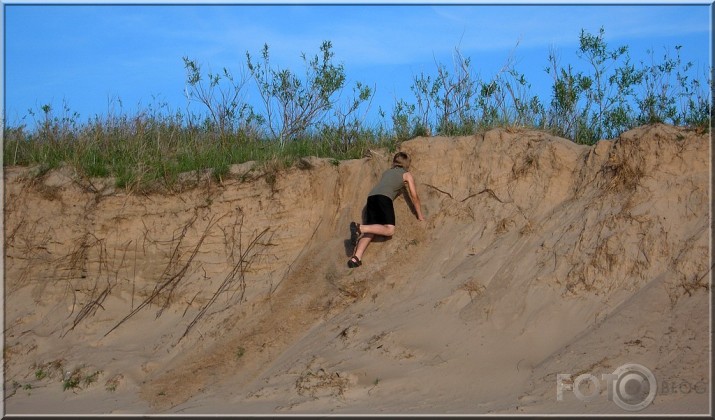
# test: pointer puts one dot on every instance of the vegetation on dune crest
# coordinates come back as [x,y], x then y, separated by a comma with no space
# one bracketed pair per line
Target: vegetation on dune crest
[316,113]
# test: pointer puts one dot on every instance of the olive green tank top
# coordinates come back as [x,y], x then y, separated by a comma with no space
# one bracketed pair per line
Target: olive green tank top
[390,184]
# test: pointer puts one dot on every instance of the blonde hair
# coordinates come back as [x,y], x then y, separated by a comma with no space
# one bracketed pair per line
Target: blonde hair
[402,160]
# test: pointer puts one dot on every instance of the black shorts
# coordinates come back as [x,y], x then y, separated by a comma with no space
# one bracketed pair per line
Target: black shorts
[379,211]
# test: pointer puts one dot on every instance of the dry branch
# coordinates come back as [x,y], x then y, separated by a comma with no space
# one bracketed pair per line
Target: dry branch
[485,190]
[239,270]
[96,302]
[440,190]
[171,282]
[490,192]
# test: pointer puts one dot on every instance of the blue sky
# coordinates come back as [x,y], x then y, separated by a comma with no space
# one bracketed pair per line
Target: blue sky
[88,55]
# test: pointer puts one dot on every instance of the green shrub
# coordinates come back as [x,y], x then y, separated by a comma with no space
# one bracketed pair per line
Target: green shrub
[309,113]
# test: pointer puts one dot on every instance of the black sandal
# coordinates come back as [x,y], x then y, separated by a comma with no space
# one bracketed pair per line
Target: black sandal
[354,233]
[354,262]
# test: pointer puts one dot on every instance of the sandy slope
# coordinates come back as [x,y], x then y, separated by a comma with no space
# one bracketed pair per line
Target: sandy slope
[539,257]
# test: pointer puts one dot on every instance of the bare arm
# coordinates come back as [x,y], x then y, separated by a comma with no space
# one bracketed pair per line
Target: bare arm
[412,191]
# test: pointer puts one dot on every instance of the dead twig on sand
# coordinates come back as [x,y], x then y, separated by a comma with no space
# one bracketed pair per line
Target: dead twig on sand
[171,282]
[91,307]
[485,190]
[488,191]
[238,271]
[440,190]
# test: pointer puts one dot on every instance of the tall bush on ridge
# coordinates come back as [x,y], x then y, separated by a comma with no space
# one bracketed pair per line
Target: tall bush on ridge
[405,124]
[506,100]
[426,94]
[564,116]
[347,123]
[456,93]
[458,102]
[607,98]
[445,102]
[222,97]
[698,102]
[616,95]
[588,106]
[658,104]
[679,101]
[294,104]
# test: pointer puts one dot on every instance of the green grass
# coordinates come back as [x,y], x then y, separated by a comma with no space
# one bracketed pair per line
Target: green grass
[140,158]
[156,145]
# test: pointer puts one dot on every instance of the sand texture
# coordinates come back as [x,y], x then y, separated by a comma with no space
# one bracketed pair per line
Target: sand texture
[538,257]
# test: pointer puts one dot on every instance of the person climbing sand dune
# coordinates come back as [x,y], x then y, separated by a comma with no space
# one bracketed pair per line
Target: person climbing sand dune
[379,211]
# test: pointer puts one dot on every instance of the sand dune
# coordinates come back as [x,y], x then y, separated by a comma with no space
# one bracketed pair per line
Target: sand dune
[539,257]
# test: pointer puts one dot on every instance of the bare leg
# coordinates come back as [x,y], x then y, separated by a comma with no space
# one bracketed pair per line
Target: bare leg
[368,234]
[362,244]
[382,230]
